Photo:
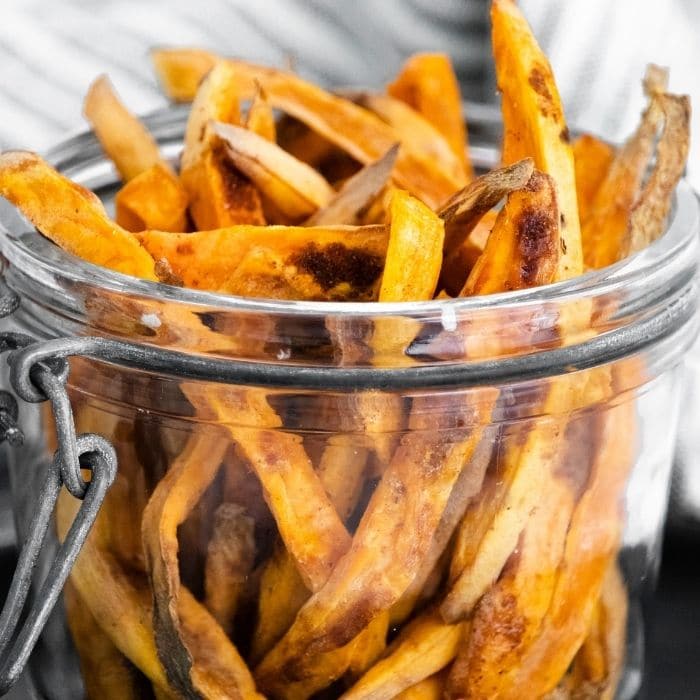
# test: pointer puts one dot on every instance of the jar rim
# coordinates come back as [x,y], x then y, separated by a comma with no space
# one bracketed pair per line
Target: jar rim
[674,256]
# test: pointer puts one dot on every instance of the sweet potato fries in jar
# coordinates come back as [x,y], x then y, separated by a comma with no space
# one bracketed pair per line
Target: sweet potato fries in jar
[410,477]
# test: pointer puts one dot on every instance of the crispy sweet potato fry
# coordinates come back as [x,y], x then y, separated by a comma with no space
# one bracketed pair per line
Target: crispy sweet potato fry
[412,128]
[427,82]
[533,120]
[647,219]
[153,199]
[357,194]
[214,668]
[276,261]
[463,211]
[260,118]
[414,254]
[79,224]
[219,194]
[229,562]
[590,550]
[599,662]
[458,264]
[605,231]
[422,649]
[376,571]
[106,673]
[123,137]
[529,258]
[295,189]
[592,160]
[509,615]
[361,134]
[308,523]
[120,601]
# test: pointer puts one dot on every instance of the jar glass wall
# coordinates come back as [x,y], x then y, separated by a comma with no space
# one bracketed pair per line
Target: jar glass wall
[308,493]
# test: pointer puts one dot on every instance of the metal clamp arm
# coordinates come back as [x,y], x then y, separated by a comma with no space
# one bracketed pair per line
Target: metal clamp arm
[42,381]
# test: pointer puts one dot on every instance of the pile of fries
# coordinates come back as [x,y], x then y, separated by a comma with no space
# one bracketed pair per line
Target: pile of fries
[424,553]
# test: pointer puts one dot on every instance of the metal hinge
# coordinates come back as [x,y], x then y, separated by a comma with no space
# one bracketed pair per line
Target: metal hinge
[35,378]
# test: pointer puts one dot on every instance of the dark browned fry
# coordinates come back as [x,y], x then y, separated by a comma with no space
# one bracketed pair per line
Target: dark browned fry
[464,209]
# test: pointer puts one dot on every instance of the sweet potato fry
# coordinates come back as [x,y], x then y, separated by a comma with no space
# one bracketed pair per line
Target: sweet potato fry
[458,264]
[605,231]
[414,255]
[422,649]
[599,662]
[293,188]
[153,199]
[592,160]
[590,550]
[219,194]
[120,601]
[260,118]
[123,137]
[378,568]
[430,689]
[530,257]
[463,211]
[308,523]
[283,592]
[355,130]
[79,224]
[180,72]
[276,261]
[650,212]
[508,617]
[357,194]
[229,562]
[106,673]
[181,630]
[533,120]
[427,82]
[412,128]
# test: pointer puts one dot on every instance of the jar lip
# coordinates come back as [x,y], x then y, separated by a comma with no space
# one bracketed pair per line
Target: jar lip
[70,154]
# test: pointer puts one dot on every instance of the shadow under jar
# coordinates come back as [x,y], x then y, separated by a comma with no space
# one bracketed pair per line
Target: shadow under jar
[476,507]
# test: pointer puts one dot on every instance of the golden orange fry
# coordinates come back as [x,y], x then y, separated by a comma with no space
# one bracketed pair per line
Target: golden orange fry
[123,137]
[70,215]
[592,160]
[154,199]
[355,130]
[276,261]
[219,194]
[533,120]
[427,82]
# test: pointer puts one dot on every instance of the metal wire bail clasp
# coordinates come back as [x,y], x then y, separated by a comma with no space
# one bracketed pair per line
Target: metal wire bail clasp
[36,379]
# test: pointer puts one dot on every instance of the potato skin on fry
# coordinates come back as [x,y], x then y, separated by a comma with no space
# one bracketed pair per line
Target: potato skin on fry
[71,216]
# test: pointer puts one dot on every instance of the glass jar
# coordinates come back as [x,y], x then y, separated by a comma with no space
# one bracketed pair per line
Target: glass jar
[358,498]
